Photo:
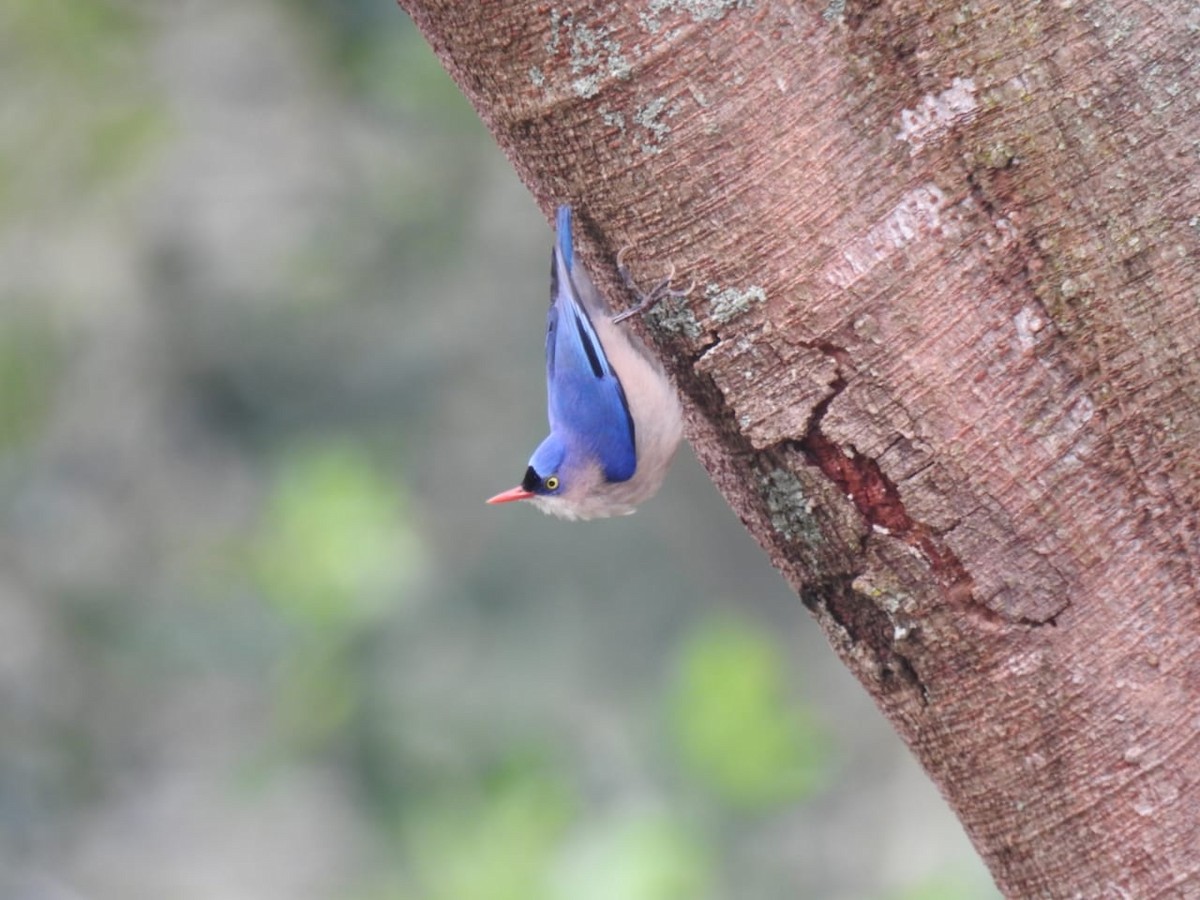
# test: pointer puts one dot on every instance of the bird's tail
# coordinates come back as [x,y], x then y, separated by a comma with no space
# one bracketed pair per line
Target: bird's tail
[562,225]
[582,288]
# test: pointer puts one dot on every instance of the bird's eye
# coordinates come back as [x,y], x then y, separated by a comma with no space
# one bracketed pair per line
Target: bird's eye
[551,482]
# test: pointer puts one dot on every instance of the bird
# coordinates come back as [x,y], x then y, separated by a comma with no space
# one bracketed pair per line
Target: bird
[615,418]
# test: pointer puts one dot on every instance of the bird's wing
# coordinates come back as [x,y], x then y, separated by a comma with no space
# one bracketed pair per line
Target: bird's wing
[587,404]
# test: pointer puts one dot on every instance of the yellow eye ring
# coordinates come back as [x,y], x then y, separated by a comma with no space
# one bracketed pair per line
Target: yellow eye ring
[551,482]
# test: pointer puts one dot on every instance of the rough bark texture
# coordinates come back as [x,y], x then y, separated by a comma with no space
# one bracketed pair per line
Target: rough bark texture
[941,358]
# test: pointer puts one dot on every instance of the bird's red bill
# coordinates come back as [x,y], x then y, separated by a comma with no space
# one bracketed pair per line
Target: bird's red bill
[517,493]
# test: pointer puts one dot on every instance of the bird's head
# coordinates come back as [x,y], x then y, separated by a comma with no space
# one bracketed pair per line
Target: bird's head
[560,477]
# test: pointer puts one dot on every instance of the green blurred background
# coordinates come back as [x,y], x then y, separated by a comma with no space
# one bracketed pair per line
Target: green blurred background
[270,332]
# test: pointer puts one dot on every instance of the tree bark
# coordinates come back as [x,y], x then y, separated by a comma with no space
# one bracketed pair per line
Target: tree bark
[941,358]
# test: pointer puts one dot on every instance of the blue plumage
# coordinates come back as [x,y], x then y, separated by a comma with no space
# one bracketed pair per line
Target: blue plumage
[586,403]
[614,418]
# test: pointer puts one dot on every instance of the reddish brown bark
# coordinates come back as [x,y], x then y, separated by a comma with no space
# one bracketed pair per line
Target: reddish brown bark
[942,359]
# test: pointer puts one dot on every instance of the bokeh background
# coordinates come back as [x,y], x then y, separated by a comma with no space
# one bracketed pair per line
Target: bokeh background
[270,331]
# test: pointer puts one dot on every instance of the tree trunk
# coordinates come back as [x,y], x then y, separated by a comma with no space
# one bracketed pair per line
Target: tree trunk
[941,358]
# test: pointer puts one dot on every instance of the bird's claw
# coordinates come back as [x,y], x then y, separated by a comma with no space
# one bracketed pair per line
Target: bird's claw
[646,299]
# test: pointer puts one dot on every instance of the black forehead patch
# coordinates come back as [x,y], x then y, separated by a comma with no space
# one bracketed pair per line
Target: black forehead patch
[531,481]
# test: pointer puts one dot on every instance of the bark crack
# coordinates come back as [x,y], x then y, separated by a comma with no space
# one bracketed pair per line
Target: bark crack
[878,501]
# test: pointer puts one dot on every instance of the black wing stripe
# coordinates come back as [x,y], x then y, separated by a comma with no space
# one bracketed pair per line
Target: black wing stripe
[589,348]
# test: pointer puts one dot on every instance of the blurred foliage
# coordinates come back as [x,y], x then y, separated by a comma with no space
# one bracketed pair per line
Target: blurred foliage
[96,114]
[497,843]
[522,835]
[335,555]
[335,550]
[29,367]
[950,884]
[378,59]
[734,726]
[383,59]
[637,857]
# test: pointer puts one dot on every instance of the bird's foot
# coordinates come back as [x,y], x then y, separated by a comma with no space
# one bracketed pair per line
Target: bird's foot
[646,299]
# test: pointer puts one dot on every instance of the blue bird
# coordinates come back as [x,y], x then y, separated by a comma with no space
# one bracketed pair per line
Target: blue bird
[615,420]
